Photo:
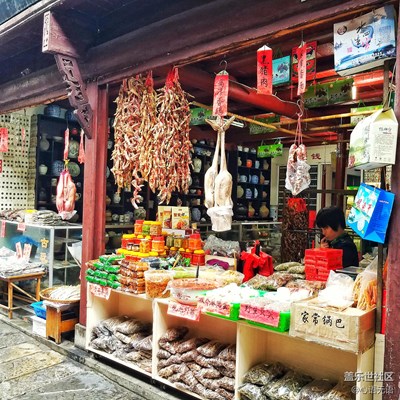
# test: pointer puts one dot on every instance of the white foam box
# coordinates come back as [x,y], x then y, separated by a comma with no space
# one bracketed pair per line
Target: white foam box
[38,326]
[350,330]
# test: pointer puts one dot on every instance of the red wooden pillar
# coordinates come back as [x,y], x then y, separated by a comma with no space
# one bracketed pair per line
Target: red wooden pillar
[94,191]
[392,334]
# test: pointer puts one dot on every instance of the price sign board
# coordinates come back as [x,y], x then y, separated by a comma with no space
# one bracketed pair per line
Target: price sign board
[184,311]
[215,306]
[100,291]
[259,314]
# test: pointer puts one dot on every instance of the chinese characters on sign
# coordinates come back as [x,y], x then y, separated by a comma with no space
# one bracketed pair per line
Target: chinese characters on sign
[301,65]
[100,291]
[317,319]
[259,314]
[264,70]
[184,311]
[215,306]
[221,88]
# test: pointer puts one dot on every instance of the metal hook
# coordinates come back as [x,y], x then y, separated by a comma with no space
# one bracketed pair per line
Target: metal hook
[225,63]
[300,104]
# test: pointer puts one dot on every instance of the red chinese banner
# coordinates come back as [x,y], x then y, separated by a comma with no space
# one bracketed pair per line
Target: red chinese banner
[3,140]
[264,70]
[221,89]
[301,65]
[311,61]
[66,143]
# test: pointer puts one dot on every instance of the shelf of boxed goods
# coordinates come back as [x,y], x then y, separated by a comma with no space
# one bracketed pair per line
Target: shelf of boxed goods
[254,344]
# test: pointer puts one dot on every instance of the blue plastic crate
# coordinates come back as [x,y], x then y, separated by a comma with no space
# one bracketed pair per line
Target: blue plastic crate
[40,309]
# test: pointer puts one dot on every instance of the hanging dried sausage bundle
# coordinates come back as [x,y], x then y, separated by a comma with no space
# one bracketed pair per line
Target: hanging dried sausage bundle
[172,153]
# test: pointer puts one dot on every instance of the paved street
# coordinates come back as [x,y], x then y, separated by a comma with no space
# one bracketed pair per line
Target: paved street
[31,370]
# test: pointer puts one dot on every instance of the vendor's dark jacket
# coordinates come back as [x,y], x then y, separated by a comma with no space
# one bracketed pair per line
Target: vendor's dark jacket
[350,254]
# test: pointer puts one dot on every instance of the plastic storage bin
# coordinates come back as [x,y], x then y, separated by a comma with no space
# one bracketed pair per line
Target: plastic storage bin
[40,309]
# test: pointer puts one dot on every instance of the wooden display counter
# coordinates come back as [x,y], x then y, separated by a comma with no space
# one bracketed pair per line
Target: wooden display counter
[253,344]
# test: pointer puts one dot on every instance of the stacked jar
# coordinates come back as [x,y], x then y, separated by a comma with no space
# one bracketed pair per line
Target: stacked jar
[138,227]
[146,228]
[158,244]
[199,257]
[145,245]
[195,242]
[155,228]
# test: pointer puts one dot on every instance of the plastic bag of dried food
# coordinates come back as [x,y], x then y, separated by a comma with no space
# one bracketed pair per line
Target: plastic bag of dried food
[230,373]
[288,387]
[145,354]
[172,334]
[133,356]
[312,286]
[120,353]
[194,367]
[211,349]
[202,360]
[112,323]
[209,373]
[189,356]
[277,280]
[297,269]
[146,344]
[229,353]
[168,371]
[298,276]
[190,344]
[227,383]
[136,338]
[174,359]
[97,332]
[285,266]
[225,393]
[189,379]
[131,326]
[169,346]
[342,391]
[182,386]
[315,389]
[163,354]
[207,393]
[123,338]
[256,282]
[99,343]
[252,392]
[145,365]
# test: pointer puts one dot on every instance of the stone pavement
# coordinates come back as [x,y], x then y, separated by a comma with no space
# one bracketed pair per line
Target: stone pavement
[33,368]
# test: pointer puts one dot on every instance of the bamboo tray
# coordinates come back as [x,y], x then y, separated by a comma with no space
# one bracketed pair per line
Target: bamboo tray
[46,295]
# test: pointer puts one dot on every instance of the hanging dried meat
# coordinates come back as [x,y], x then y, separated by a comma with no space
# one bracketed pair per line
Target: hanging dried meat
[152,137]
[173,146]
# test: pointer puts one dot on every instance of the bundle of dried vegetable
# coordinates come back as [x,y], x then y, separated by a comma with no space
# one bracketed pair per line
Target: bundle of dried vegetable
[173,146]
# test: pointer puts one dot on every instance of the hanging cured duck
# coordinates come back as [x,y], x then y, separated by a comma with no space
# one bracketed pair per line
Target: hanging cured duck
[65,197]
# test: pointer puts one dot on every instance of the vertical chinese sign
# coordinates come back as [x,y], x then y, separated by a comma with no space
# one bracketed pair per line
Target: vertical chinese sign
[304,60]
[264,70]
[221,89]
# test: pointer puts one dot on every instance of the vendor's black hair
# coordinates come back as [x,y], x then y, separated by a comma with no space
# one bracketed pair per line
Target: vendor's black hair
[331,216]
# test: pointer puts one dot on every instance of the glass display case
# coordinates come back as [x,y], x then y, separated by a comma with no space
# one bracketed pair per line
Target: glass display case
[49,246]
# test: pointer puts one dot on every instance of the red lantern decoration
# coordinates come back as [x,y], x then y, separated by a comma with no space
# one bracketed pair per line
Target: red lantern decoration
[264,70]
[221,89]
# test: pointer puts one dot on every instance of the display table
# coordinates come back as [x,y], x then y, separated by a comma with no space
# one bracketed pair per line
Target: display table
[11,285]
[60,320]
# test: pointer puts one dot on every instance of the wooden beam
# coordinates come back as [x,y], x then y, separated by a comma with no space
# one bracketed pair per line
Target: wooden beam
[94,189]
[54,40]
[392,334]
[76,90]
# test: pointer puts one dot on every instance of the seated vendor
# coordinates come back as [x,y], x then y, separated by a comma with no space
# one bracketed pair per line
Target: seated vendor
[332,223]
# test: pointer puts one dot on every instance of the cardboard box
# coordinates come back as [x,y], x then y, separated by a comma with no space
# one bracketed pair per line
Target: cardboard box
[38,326]
[350,330]
[365,42]
[165,216]
[180,217]
[373,141]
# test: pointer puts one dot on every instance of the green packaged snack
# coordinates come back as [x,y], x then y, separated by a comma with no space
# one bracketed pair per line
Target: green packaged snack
[112,277]
[109,259]
[112,269]
[102,282]
[113,284]
[98,265]
[91,279]
[90,272]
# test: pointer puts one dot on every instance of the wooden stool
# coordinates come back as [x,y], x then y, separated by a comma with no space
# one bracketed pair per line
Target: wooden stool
[11,285]
[59,321]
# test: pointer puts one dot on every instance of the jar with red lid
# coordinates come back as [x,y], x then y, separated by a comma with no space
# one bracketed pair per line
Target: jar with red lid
[158,244]
[195,242]
[199,257]
[188,254]
[138,227]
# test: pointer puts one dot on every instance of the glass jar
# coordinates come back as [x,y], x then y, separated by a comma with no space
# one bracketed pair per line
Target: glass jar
[155,228]
[145,246]
[170,241]
[138,227]
[157,244]
[146,228]
[199,257]
[195,242]
[173,251]
[178,241]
